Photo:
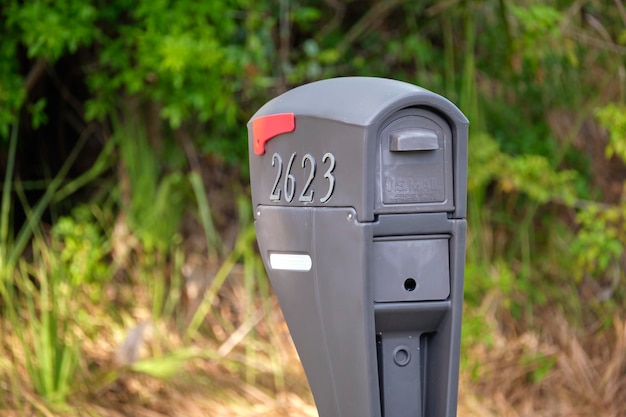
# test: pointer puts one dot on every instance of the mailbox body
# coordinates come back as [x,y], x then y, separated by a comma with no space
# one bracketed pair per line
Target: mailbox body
[359,191]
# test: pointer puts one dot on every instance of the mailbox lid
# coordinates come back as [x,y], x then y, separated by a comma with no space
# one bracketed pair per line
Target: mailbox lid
[357,100]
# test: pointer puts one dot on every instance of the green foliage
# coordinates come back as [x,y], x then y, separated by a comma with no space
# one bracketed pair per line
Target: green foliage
[539,364]
[51,28]
[83,247]
[497,278]
[599,244]
[600,240]
[12,93]
[156,202]
[533,175]
[187,58]
[174,53]
[36,111]
[529,174]
[520,67]
[613,118]
[539,30]
[48,30]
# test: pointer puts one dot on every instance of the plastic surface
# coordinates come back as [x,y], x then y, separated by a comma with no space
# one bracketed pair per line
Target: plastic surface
[268,127]
[328,309]
[414,139]
[411,269]
[360,220]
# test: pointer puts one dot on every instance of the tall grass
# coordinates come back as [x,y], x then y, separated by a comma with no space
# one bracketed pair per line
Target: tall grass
[36,294]
[46,328]
[54,301]
[5,213]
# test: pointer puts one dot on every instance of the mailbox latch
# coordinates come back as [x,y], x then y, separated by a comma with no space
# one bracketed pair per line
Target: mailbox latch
[414,140]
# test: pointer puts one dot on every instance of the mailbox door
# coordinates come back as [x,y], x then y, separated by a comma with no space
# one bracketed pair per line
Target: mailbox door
[414,163]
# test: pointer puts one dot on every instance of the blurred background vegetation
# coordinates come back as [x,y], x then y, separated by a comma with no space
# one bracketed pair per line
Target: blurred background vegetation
[129,278]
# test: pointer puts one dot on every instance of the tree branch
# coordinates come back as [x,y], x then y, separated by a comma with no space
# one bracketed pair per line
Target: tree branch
[35,74]
[369,22]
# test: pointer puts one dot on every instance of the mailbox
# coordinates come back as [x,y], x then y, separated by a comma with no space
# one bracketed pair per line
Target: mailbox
[359,192]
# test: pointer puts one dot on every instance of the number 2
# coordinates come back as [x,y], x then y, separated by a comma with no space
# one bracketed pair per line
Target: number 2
[304,197]
[275,194]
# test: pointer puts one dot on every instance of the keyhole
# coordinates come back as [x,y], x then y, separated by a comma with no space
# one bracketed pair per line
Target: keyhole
[410,284]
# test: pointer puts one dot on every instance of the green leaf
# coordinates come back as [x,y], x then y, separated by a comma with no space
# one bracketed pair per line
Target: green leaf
[166,366]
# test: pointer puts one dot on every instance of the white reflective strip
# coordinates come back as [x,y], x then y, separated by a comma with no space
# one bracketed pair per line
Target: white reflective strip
[290,261]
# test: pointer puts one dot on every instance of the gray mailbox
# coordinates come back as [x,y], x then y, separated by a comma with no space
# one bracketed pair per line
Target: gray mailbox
[359,192]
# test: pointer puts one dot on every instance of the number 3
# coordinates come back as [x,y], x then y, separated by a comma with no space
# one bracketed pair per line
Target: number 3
[329,176]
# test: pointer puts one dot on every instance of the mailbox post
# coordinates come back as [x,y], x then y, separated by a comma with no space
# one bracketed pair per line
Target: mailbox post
[359,192]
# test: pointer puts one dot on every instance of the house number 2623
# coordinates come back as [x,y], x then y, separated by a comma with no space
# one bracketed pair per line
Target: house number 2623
[309,165]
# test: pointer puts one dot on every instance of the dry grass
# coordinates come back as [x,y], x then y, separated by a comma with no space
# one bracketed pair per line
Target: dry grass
[553,374]
[244,364]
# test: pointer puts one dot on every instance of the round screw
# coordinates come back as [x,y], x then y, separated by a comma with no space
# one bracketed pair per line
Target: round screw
[402,355]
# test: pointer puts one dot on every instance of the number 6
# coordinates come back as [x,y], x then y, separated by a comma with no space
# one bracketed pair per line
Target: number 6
[290,180]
